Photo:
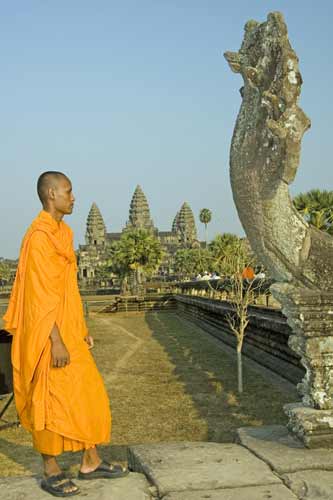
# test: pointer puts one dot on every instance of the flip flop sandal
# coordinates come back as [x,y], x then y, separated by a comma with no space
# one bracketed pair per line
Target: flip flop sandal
[56,485]
[105,470]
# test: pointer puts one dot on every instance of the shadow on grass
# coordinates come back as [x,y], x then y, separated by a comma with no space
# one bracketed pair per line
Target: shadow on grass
[29,462]
[26,460]
[209,376]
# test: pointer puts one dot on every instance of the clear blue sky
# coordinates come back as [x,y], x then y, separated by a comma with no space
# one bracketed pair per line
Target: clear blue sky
[116,93]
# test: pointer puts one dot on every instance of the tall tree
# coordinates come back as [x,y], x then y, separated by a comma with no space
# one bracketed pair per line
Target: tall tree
[316,206]
[183,263]
[139,251]
[225,248]
[191,261]
[205,217]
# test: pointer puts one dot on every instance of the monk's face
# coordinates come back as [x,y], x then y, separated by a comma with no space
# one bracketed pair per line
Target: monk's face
[62,196]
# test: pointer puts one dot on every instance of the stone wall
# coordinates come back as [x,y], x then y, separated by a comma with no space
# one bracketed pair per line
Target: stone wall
[222,290]
[266,339]
[126,304]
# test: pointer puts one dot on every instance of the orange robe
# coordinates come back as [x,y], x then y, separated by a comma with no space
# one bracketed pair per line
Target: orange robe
[64,408]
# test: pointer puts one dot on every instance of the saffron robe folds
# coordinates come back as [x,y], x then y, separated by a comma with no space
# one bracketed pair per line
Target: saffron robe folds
[70,401]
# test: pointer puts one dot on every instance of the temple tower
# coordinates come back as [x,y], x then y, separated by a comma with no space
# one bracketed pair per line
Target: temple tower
[175,223]
[139,213]
[184,225]
[96,231]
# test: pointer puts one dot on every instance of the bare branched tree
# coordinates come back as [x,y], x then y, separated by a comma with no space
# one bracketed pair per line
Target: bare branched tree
[242,295]
[234,259]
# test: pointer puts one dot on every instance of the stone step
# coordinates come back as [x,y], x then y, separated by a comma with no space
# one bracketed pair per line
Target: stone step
[177,467]
[271,492]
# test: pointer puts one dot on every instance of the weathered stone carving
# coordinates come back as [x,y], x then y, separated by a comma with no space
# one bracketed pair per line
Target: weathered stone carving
[264,157]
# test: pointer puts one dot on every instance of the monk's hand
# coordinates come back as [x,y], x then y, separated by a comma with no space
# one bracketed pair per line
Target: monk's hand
[60,354]
[90,341]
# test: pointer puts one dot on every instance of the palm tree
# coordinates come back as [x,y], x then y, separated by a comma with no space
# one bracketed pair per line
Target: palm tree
[225,248]
[191,261]
[139,251]
[316,206]
[201,259]
[205,217]
[183,262]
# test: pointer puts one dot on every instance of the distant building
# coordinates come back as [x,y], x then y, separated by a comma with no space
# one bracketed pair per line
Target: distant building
[8,269]
[94,253]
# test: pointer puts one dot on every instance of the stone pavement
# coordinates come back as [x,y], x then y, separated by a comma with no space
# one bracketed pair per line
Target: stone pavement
[266,464]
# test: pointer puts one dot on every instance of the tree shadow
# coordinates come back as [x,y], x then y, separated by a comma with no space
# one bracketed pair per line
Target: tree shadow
[23,455]
[209,376]
[29,461]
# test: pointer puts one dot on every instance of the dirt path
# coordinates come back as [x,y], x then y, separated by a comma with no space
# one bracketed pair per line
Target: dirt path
[166,382]
[123,361]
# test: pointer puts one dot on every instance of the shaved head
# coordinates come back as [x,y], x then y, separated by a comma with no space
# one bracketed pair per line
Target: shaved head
[46,181]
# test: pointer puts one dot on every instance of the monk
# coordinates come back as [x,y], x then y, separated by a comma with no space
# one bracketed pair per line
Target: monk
[59,393]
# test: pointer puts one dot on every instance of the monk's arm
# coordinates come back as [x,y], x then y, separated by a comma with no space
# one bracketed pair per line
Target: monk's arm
[44,284]
[59,352]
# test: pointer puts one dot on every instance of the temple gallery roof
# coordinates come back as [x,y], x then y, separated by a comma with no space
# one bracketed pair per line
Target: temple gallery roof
[113,236]
[166,233]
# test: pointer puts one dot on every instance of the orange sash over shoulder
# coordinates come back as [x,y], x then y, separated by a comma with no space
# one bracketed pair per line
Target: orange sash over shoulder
[70,401]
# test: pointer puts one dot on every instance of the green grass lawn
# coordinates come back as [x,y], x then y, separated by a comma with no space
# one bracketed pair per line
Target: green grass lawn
[167,382]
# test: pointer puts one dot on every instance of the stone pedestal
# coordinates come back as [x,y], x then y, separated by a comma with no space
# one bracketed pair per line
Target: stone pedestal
[313,427]
[310,315]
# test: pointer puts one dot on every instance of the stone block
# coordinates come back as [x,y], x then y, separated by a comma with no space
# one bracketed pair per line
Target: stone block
[199,466]
[283,452]
[314,427]
[311,484]
[271,492]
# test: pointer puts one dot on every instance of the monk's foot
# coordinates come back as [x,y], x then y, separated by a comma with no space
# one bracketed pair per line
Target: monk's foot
[51,467]
[59,486]
[90,466]
[103,470]
[90,460]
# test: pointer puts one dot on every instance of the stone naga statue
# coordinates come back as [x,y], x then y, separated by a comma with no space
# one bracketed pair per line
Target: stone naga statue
[264,157]
[265,154]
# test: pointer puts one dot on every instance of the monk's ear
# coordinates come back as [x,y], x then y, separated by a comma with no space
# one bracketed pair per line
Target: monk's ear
[51,193]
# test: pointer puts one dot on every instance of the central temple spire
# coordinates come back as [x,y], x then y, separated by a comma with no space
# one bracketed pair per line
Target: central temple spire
[139,213]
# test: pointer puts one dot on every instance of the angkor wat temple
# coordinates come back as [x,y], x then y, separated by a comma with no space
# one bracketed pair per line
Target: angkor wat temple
[94,253]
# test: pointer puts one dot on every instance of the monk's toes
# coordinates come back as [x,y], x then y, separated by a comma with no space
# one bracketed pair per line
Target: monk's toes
[70,489]
[58,485]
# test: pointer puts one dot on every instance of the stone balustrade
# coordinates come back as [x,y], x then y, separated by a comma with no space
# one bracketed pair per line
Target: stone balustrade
[222,290]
